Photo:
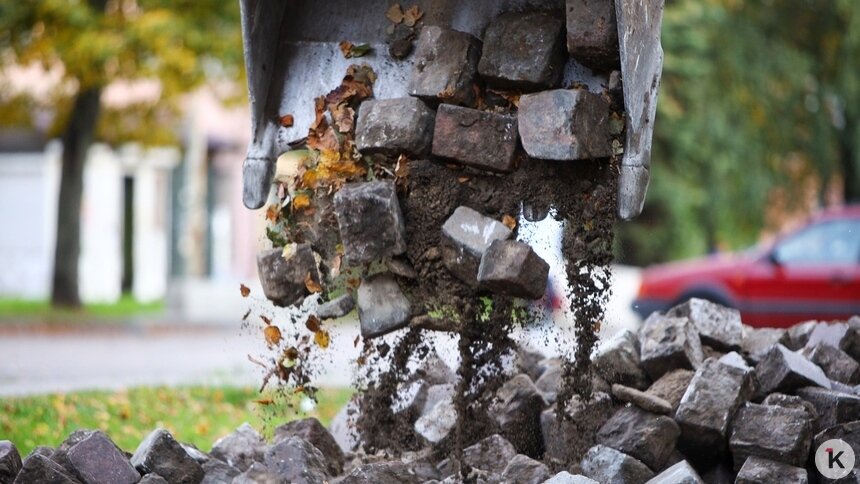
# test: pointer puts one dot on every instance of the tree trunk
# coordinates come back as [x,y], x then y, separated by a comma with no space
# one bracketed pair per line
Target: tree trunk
[848,161]
[77,139]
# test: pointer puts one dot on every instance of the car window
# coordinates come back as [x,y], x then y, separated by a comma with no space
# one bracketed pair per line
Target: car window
[832,243]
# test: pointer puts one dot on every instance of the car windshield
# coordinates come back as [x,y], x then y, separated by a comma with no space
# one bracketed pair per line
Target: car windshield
[835,242]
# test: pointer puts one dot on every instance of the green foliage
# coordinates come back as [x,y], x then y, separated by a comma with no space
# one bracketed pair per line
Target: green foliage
[180,43]
[748,89]
[197,415]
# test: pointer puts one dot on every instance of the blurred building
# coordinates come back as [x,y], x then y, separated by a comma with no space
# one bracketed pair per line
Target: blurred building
[160,223]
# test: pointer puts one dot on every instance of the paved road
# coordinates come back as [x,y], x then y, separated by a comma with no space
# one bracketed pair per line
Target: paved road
[61,361]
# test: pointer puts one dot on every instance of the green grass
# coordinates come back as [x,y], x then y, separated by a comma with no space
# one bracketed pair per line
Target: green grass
[21,310]
[197,415]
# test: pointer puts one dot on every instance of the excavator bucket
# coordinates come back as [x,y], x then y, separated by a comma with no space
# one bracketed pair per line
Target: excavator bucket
[292,55]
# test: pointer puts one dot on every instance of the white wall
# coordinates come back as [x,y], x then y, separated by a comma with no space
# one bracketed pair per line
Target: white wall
[29,187]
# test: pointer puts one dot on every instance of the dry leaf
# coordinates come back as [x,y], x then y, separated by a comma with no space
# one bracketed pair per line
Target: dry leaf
[287,120]
[322,339]
[401,169]
[291,353]
[412,15]
[336,262]
[272,334]
[463,179]
[395,13]
[245,290]
[300,201]
[356,340]
[313,323]
[361,360]
[311,285]
[353,283]
[351,50]
[266,320]
[272,212]
[264,401]
[509,221]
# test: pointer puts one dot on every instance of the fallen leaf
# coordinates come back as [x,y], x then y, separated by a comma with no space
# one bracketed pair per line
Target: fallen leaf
[412,15]
[264,401]
[509,221]
[353,282]
[291,353]
[401,169]
[322,339]
[463,179]
[266,320]
[311,285]
[299,389]
[272,334]
[335,265]
[245,290]
[361,360]
[287,120]
[272,212]
[313,323]
[300,201]
[395,13]
[351,50]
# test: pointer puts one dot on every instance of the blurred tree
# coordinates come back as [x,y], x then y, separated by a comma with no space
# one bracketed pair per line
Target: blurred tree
[179,43]
[757,98]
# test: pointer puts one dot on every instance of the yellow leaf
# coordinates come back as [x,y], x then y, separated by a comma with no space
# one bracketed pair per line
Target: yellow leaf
[272,334]
[509,221]
[245,290]
[300,201]
[322,338]
[311,285]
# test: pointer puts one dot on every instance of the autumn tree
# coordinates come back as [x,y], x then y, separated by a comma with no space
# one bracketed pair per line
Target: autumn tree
[179,43]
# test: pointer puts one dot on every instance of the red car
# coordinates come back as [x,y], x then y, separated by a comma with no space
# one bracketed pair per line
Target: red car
[811,273]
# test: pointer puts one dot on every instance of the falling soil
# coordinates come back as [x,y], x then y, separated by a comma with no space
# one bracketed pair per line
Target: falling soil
[579,194]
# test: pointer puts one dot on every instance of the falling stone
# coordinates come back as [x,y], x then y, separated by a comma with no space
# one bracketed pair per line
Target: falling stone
[466,235]
[445,66]
[514,269]
[283,275]
[382,306]
[564,125]
[523,51]
[435,425]
[394,126]
[370,221]
[337,307]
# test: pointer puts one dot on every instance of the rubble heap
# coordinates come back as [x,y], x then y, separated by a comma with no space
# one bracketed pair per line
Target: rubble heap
[727,403]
